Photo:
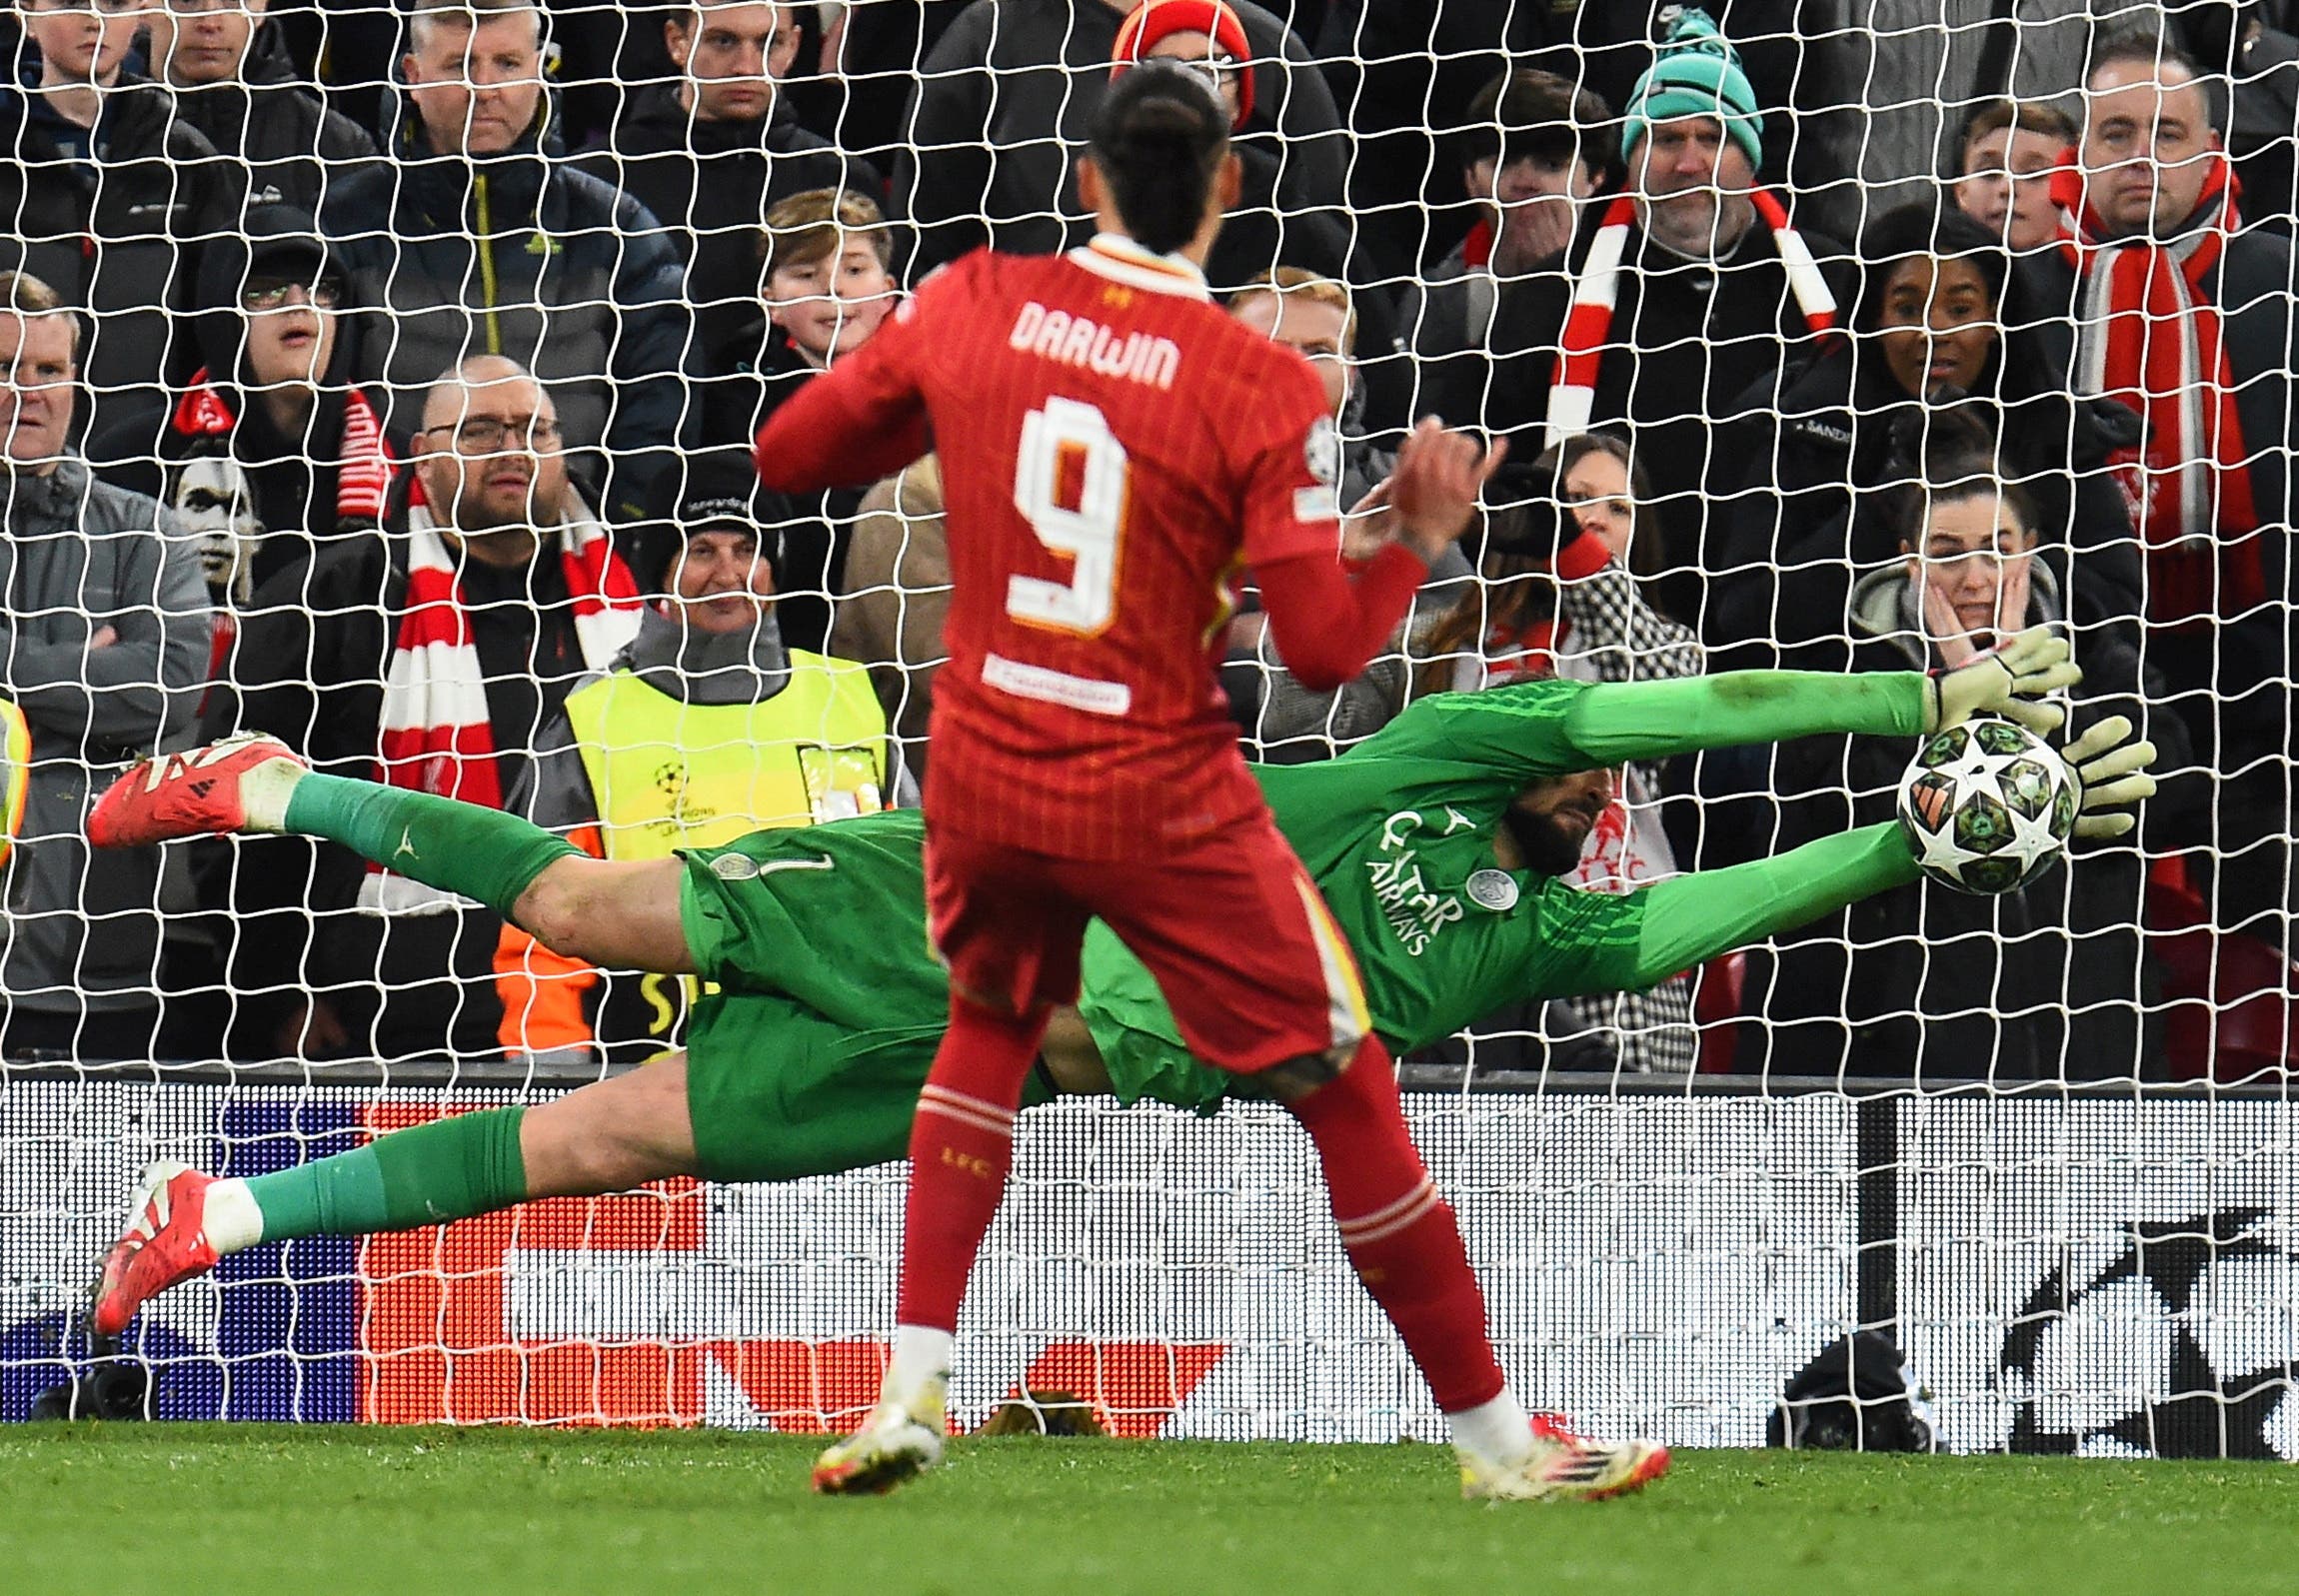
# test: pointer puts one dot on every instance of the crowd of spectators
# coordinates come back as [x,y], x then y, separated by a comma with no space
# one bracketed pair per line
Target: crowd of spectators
[380,380]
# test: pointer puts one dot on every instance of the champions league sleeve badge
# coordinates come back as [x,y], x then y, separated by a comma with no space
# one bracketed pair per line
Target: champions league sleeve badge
[1495,890]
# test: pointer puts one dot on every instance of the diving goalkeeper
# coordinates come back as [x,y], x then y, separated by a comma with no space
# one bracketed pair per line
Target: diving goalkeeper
[1436,842]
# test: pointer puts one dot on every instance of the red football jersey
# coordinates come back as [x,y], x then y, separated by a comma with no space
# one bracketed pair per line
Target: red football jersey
[1115,452]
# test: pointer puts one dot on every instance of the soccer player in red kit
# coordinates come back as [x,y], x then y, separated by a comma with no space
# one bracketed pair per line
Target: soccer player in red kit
[1115,452]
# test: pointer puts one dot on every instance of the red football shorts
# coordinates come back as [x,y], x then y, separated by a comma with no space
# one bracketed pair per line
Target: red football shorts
[1243,949]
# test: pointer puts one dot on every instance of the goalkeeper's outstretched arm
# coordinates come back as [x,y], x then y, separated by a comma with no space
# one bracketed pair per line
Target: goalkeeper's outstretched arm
[1690,919]
[1619,722]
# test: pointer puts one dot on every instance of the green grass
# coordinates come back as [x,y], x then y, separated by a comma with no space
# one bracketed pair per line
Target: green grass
[193,1509]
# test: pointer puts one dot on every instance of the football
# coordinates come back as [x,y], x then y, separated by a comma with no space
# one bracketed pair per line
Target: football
[1987,807]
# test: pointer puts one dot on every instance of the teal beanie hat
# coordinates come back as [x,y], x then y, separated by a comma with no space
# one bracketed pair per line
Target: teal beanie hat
[1697,73]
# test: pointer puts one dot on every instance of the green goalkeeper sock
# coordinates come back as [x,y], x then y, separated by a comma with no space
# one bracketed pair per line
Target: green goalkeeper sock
[457,847]
[426,1174]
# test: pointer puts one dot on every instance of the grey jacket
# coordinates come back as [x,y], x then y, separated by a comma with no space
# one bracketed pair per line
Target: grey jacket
[77,556]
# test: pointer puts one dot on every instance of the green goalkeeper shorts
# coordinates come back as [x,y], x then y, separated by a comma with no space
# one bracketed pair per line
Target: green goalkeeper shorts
[825,1002]
[832,916]
[776,1091]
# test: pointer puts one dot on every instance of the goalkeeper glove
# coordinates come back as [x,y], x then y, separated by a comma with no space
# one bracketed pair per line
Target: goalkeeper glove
[2111,774]
[2011,680]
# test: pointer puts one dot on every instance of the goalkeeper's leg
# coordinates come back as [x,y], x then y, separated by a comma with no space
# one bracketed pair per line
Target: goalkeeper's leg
[607,1137]
[621,913]
[767,1089]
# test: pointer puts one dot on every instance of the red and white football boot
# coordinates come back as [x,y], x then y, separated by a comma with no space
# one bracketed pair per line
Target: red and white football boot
[166,1242]
[201,793]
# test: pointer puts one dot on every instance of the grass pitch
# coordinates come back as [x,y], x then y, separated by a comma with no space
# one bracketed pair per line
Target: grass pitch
[194,1509]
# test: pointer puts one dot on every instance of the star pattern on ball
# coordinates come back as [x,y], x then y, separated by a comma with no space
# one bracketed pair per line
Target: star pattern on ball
[1941,853]
[2031,840]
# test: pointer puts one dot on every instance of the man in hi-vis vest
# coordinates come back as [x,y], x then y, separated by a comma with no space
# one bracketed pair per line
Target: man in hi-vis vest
[704,729]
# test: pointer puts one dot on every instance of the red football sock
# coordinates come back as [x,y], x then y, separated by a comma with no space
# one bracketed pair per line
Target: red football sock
[1399,1234]
[961,1148]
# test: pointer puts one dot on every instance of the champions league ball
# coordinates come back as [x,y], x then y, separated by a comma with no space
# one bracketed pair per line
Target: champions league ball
[1988,806]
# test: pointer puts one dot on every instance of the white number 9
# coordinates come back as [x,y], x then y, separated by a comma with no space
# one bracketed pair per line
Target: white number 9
[1068,436]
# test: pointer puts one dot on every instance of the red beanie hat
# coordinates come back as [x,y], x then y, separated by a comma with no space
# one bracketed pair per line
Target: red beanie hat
[1162,19]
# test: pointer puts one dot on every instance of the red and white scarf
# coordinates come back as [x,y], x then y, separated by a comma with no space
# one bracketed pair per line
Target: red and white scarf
[2148,335]
[437,736]
[364,462]
[1572,397]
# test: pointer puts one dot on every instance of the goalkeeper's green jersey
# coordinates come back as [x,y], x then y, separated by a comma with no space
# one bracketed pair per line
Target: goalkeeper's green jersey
[1399,834]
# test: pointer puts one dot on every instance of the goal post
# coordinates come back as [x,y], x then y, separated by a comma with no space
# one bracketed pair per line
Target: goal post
[2043,1141]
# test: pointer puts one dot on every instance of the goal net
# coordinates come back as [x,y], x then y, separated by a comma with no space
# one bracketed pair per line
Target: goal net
[412,357]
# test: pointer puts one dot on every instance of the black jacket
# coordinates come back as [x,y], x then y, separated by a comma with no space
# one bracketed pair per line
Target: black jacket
[293,147]
[1005,99]
[155,189]
[2053,980]
[1800,528]
[711,183]
[1692,343]
[2251,284]
[521,255]
[291,482]
[756,375]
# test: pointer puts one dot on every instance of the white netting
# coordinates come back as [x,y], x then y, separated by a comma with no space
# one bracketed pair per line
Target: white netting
[1863,331]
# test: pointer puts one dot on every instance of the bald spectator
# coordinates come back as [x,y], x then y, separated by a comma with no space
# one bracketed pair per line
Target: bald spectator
[436,655]
[229,70]
[2186,317]
[710,153]
[472,240]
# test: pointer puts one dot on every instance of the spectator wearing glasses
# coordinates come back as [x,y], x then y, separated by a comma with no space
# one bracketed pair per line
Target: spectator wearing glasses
[270,448]
[434,657]
[1263,233]
[229,70]
[475,237]
[108,194]
[2184,316]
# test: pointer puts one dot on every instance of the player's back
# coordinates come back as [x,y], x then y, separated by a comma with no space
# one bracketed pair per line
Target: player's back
[1115,450]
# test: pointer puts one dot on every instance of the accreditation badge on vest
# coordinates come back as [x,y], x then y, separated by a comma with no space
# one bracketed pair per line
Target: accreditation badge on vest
[841,783]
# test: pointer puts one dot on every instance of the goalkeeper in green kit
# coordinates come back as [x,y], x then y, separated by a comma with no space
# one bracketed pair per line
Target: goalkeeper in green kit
[1436,843]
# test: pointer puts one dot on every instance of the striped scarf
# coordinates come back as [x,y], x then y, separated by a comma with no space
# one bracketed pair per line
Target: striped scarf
[2149,336]
[437,735]
[1572,397]
[363,464]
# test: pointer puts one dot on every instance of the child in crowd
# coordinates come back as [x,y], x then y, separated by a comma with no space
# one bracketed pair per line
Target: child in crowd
[2003,170]
[826,284]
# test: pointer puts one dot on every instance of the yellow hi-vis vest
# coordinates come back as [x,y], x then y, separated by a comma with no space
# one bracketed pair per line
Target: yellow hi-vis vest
[667,774]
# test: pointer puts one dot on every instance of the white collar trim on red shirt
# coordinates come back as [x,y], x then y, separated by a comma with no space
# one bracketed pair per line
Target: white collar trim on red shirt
[1119,258]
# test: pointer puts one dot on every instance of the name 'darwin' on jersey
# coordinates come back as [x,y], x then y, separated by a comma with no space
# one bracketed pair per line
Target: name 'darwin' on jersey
[1076,340]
